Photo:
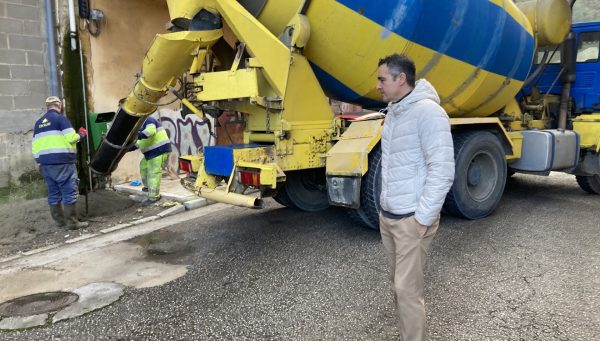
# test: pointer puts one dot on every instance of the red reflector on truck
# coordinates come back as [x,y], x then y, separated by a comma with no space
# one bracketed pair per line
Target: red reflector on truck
[249,178]
[185,165]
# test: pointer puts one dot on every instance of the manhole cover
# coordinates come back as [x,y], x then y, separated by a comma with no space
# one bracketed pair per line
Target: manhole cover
[35,304]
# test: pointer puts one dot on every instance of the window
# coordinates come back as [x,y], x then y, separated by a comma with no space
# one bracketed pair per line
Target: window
[588,47]
[553,57]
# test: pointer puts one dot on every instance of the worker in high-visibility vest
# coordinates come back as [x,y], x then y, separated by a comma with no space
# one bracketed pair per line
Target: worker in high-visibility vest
[54,150]
[154,143]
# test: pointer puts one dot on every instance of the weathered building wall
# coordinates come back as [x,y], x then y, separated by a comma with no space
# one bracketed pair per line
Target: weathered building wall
[24,83]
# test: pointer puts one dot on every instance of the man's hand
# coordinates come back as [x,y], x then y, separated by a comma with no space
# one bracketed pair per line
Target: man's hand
[82,132]
[421,229]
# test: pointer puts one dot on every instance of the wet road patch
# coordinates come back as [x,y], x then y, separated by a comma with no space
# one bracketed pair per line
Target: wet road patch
[50,307]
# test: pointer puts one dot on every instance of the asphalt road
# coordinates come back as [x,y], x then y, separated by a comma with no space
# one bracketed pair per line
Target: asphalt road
[531,271]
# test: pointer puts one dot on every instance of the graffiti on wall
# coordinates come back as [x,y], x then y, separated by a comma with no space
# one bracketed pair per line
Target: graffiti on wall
[187,135]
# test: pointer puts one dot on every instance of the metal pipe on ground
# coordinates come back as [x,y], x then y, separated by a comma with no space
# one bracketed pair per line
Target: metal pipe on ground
[232,198]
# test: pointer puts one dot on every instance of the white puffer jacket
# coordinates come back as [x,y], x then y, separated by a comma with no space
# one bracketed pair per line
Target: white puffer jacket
[417,164]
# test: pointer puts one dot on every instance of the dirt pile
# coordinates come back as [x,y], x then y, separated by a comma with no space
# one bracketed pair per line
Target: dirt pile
[26,225]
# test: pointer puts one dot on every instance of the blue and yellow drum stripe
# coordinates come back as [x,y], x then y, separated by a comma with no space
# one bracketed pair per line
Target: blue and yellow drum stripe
[476,53]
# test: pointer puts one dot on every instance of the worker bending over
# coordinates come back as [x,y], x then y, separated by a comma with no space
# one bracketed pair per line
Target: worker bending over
[154,143]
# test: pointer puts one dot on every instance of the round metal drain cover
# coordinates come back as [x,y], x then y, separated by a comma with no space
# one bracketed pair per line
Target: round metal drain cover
[35,304]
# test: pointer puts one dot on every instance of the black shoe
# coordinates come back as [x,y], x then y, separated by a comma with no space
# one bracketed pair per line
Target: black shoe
[149,202]
[144,189]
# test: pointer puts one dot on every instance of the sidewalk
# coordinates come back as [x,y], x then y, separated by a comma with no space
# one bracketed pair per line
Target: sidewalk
[170,189]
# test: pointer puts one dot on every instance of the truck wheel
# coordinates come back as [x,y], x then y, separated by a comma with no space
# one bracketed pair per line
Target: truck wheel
[590,184]
[480,175]
[283,198]
[307,189]
[370,191]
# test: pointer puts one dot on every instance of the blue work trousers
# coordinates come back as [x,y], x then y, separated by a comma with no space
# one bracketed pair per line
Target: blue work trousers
[62,183]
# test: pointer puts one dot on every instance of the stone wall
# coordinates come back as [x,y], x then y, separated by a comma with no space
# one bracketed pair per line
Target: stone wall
[24,83]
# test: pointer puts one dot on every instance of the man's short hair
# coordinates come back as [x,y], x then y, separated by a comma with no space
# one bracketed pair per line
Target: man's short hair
[52,101]
[399,63]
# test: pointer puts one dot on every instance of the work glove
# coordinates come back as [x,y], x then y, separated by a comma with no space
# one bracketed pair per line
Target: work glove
[141,135]
[82,132]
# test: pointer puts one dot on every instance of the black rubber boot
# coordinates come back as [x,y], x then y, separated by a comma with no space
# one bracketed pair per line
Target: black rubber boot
[71,218]
[56,212]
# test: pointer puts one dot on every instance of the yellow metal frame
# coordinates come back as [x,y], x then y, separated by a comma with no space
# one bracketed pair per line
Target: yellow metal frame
[228,85]
[277,88]
[205,180]
[195,160]
[588,128]
[260,158]
[270,173]
[350,155]
[512,141]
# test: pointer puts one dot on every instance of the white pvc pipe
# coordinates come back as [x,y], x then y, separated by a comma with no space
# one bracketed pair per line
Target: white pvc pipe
[72,27]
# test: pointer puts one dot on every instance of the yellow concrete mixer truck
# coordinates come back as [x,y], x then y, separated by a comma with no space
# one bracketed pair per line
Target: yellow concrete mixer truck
[278,62]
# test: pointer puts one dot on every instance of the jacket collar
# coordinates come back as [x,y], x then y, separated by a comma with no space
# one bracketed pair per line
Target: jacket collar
[423,90]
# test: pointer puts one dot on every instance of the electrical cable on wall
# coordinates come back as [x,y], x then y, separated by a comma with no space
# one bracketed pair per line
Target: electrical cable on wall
[92,18]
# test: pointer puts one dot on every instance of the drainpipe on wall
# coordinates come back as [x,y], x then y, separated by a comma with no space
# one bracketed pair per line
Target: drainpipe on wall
[51,48]
[76,44]
[87,127]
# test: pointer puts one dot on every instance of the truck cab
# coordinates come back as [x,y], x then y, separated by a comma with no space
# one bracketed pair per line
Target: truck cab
[585,91]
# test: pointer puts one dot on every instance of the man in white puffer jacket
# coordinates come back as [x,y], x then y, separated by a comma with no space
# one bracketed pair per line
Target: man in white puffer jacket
[417,170]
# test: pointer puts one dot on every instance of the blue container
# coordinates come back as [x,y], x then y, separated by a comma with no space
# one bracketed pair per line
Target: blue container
[219,160]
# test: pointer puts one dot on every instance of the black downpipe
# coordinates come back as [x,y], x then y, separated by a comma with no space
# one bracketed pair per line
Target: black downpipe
[569,62]
[119,139]
[305,7]
[84,9]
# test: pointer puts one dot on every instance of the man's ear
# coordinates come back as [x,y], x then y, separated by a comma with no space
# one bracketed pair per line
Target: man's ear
[402,78]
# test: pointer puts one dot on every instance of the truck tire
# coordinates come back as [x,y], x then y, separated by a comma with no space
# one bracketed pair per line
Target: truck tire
[283,198]
[480,175]
[590,184]
[370,191]
[307,189]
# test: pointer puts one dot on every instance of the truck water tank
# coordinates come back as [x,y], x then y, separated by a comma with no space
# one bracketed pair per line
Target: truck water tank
[476,53]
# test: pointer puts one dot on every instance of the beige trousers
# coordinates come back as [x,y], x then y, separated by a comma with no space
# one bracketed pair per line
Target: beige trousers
[406,250]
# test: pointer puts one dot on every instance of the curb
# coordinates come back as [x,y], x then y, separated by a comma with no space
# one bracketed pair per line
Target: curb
[125,188]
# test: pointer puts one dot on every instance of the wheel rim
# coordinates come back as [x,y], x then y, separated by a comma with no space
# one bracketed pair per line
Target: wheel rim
[481,176]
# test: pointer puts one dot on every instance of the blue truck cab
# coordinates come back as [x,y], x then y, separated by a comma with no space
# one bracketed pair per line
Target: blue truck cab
[585,91]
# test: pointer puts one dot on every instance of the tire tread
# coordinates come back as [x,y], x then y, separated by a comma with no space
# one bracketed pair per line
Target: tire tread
[590,184]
